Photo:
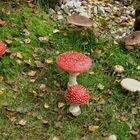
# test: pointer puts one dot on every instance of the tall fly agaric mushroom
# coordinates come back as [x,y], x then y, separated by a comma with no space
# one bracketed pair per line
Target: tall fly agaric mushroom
[74,63]
[2,48]
[132,40]
[131,85]
[77,95]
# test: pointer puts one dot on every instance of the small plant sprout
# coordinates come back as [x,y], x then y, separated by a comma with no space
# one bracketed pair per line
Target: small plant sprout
[74,63]
[77,95]
[2,48]
[131,85]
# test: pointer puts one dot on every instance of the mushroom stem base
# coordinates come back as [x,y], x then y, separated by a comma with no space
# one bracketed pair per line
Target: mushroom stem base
[72,79]
[75,110]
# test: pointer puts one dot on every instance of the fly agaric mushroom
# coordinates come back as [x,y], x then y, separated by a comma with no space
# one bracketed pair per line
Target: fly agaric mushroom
[77,95]
[131,85]
[79,20]
[2,47]
[132,40]
[74,63]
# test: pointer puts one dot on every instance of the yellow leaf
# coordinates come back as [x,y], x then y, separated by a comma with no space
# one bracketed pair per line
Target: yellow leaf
[22,122]
[31,73]
[60,104]
[96,98]
[92,128]
[1,93]
[91,73]
[1,78]
[46,105]
[49,60]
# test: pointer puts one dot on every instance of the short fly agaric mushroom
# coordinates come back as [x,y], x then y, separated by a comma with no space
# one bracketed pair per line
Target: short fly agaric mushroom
[77,95]
[74,63]
[131,85]
[132,40]
[2,47]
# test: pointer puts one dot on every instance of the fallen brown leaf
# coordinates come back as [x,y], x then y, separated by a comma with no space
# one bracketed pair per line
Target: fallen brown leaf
[22,122]
[43,38]
[60,104]
[31,73]
[39,64]
[27,41]
[2,22]
[49,60]
[93,128]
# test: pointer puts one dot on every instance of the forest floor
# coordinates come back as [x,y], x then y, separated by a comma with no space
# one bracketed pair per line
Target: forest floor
[32,87]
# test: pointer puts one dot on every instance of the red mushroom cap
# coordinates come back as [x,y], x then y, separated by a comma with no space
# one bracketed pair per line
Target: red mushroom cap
[77,94]
[74,62]
[2,48]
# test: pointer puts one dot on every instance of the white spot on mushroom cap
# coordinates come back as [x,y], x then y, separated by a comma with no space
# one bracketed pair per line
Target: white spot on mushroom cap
[131,84]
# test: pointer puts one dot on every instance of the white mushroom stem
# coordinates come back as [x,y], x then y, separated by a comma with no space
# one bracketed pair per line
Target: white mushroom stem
[75,110]
[72,79]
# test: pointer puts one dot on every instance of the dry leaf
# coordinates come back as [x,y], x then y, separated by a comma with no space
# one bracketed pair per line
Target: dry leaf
[31,5]
[29,62]
[43,38]
[49,60]
[10,112]
[134,111]
[91,72]
[138,67]
[8,41]
[45,121]
[15,88]
[22,122]
[1,78]
[46,105]
[2,22]
[56,31]
[1,93]
[26,32]
[27,41]
[100,86]
[60,104]
[12,55]
[92,128]
[4,104]
[55,138]
[10,82]
[39,64]
[58,125]
[31,73]
[18,54]
[96,98]
[134,132]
